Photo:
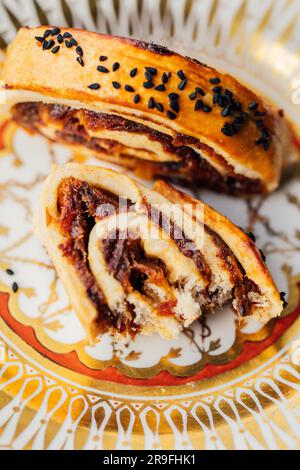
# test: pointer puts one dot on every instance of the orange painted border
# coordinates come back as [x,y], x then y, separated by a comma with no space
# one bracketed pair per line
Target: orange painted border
[71,361]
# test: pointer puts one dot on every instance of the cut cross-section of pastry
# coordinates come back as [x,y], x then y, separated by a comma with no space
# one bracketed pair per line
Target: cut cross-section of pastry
[135,260]
[145,107]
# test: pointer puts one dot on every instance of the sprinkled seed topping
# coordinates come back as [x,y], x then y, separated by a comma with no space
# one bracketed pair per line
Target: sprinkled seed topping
[282,298]
[174,106]
[181,75]
[67,35]
[94,86]
[160,87]
[47,33]
[60,39]
[79,51]
[215,80]
[55,49]
[136,99]
[207,109]
[15,287]
[182,85]
[133,72]
[252,236]
[10,272]
[151,103]
[260,114]
[68,44]
[50,44]
[115,66]
[198,105]
[200,91]
[129,88]
[55,32]
[171,115]
[102,69]
[159,107]
[39,39]
[253,106]
[148,84]
[73,42]
[151,70]
[165,78]
[102,58]
[116,85]
[193,96]
[80,61]
[173,96]
[227,130]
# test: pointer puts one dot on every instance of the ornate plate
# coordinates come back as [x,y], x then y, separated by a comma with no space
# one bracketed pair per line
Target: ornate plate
[221,385]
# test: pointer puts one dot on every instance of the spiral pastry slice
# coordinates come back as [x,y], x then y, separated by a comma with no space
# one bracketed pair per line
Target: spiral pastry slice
[135,260]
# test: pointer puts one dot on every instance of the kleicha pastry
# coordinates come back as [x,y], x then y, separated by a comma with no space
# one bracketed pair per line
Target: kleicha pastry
[145,107]
[135,260]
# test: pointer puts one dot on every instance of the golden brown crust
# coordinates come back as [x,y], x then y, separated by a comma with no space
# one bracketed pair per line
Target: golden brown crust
[59,77]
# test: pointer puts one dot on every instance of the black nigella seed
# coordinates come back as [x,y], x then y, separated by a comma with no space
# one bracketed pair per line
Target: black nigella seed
[45,45]
[252,236]
[222,101]
[102,69]
[55,49]
[55,31]
[67,35]
[173,96]
[159,107]
[265,133]
[160,87]
[80,61]
[182,85]
[238,106]
[68,44]
[227,130]
[216,98]
[79,51]
[50,44]
[171,115]
[102,58]
[152,70]
[148,76]
[260,113]
[200,91]
[228,93]
[259,123]
[73,42]
[148,84]
[60,39]
[207,109]
[181,75]
[215,80]
[227,111]
[262,255]
[193,96]
[116,85]
[136,99]
[10,272]
[39,39]
[253,106]
[115,66]
[129,88]
[198,105]
[165,78]
[47,33]
[151,103]
[282,298]
[94,86]
[217,89]
[133,72]
[15,287]
[236,127]
[174,106]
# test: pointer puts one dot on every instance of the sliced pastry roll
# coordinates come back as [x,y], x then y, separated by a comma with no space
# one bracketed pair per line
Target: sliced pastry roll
[135,260]
[145,107]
